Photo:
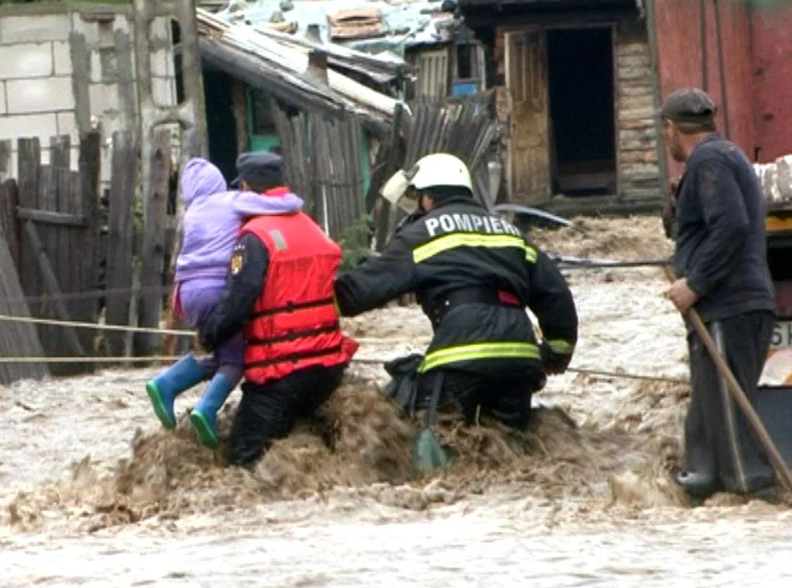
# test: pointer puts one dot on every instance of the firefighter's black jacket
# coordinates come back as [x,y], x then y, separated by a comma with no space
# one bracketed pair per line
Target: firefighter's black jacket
[460,247]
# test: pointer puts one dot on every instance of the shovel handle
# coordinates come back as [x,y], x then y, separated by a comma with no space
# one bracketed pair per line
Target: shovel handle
[739,395]
[431,412]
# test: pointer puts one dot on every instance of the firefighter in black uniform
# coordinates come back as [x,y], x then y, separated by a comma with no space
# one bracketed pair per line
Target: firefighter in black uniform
[473,274]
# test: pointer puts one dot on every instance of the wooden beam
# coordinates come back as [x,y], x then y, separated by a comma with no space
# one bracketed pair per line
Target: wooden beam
[51,218]
[29,178]
[120,238]
[51,284]
[9,198]
[86,187]
[153,262]
[5,160]
[239,108]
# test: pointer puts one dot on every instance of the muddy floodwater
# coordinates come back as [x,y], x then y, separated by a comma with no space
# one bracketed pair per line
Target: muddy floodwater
[94,493]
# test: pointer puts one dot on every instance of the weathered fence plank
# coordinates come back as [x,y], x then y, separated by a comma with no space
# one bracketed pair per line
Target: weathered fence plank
[9,202]
[17,339]
[29,174]
[154,242]
[120,237]
[52,218]
[51,337]
[66,334]
[56,243]
[63,276]
[86,198]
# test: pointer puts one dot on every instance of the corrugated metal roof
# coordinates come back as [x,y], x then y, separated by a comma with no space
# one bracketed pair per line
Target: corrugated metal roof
[403,23]
[284,71]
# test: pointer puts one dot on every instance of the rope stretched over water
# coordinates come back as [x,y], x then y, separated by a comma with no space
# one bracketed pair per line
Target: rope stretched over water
[361,360]
[96,326]
[566,263]
[627,376]
[370,360]
[154,331]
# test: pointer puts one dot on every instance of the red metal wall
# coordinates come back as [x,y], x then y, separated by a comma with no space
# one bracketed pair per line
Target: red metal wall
[689,55]
[772,51]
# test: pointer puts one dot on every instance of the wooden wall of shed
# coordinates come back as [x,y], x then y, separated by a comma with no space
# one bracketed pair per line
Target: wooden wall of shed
[637,140]
[772,81]
[639,169]
[707,44]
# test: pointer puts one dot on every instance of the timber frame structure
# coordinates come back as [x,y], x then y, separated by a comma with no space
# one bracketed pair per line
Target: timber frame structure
[190,114]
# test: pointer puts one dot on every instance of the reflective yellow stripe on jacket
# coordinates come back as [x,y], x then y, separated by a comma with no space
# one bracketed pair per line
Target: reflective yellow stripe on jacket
[454,240]
[560,346]
[472,351]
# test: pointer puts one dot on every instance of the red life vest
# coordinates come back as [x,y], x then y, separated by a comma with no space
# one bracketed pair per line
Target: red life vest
[294,324]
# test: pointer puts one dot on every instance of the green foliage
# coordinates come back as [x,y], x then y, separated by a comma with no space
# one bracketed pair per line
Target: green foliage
[355,242]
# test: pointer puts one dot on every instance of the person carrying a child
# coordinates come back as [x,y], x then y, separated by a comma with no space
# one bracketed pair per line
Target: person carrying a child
[212,221]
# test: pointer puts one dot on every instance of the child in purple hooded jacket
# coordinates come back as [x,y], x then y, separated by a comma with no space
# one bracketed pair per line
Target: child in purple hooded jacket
[212,220]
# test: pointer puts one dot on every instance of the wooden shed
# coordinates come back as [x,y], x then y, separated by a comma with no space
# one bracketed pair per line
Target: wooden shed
[579,83]
[575,99]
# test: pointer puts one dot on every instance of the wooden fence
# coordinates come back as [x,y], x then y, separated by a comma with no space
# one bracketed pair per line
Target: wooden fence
[464,128]
[323,162]
[58,239]
[52,229]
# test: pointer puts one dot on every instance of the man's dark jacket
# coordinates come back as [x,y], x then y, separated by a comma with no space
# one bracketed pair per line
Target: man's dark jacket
[720,232]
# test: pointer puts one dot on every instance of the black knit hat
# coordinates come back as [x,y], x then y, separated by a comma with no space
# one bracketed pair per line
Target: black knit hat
[261,169]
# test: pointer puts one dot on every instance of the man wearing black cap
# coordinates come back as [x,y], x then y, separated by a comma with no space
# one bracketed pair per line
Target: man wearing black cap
[720,261]
[280,291]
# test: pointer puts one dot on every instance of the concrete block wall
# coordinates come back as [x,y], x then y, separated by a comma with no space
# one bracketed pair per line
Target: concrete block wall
[63,72]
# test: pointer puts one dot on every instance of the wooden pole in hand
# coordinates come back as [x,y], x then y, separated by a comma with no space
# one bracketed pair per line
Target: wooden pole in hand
[739,395]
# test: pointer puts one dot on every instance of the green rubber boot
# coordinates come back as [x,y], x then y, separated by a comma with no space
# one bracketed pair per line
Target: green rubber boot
[165,387]
[204,415]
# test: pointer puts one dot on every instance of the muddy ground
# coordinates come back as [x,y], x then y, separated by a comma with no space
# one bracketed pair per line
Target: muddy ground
[90,482]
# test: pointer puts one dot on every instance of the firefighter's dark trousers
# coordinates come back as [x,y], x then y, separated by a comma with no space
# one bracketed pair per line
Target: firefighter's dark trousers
[508,399]
[269,412]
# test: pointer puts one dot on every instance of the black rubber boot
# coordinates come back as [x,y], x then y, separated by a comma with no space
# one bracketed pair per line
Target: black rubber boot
[696,484]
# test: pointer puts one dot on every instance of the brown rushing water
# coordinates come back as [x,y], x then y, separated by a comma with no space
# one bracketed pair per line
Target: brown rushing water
[95,494]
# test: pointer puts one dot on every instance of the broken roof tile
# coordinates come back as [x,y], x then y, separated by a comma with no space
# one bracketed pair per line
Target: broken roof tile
[356,23]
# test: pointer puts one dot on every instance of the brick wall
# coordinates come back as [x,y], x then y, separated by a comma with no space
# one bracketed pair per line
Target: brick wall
[63,73]
[639,171]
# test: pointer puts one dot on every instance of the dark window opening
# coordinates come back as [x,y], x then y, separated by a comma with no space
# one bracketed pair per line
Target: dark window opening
[181,95]
[464,56]
[582,126]
[291,111]
[221,125]
[262,122]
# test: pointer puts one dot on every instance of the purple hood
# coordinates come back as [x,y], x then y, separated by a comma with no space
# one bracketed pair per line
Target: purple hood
[214,216]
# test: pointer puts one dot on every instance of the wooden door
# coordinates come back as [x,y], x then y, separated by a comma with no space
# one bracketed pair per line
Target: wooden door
[529,149]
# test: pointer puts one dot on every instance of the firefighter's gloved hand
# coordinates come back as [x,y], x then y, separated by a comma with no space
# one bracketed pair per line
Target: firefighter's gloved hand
[554,363]
[366,256]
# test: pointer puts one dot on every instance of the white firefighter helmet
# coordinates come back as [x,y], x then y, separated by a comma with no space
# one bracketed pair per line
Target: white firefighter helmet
[437,169]
[440,169]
